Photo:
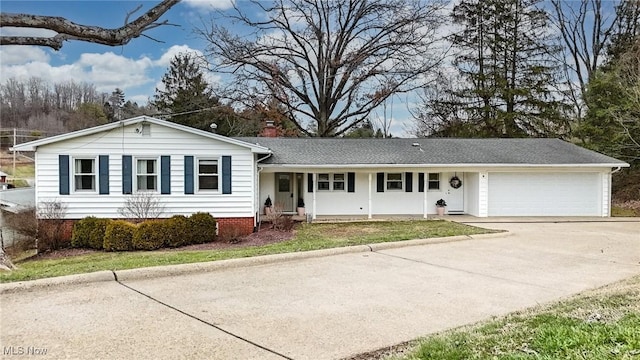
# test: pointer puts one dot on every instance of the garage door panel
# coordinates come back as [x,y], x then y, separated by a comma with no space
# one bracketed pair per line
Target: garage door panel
[544,194]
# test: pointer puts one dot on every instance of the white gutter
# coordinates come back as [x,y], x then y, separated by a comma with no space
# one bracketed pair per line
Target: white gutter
[483,165]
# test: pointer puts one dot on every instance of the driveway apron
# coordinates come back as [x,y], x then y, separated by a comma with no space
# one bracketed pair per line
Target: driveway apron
[322,308]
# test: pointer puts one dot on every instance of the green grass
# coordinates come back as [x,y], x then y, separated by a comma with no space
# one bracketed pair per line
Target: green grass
[308,237]
[601,324]
[623,212]
[22,170]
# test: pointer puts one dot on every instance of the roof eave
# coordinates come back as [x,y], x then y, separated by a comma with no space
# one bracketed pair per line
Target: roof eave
[32,145]
[361,166]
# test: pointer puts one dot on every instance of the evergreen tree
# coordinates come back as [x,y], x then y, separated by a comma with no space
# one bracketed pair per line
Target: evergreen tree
[186,96]
[116,102]
[506,60]
[612,123]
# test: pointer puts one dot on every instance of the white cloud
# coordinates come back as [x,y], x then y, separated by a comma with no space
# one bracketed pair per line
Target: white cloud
[166,58]
[18,54]
[107,70]
[35,32]
[210,4]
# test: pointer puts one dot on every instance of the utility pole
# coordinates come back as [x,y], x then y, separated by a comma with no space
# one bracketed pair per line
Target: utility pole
[13,172]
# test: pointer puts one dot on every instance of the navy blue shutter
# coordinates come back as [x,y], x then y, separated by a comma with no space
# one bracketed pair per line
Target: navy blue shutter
[309,182]
[351,182]
[380,182]
[127,169]
[103,174]
[165,174]
[63,174]
[420,182]
[188,174]
[226,174]
[408,182]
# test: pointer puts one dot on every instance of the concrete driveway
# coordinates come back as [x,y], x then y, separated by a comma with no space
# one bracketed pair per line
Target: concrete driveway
[321,308]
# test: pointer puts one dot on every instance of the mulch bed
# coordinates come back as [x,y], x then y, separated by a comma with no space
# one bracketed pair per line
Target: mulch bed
[263,237]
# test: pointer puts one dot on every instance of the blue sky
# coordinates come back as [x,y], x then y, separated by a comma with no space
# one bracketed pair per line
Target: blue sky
[137,67]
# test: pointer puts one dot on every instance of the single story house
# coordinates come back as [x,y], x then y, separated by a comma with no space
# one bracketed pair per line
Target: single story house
[94,171]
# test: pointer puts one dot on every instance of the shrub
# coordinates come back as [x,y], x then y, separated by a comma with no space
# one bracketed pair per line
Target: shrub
[178,231]
[151,235]
[118,236]
[54,232]
[202,227]
[89,233]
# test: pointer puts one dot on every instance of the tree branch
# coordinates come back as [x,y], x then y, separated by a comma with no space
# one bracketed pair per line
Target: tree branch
[68,30]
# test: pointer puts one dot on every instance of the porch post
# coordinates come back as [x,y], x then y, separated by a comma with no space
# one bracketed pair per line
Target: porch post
[424,200]
[314,196]
[370,199]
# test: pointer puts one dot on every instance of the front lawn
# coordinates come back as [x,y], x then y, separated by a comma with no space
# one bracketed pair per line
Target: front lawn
[599,324]
[307,237]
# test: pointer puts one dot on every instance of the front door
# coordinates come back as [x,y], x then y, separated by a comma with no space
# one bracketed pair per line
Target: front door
[284,191]
[455,193]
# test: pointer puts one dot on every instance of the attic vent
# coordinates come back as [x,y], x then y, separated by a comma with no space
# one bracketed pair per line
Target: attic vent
[415,144]
[146,129]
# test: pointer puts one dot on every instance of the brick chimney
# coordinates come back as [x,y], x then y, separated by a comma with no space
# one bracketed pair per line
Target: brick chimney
[269,129]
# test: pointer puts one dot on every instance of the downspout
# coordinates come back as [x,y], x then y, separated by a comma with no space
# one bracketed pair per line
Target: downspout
[611,181]
[257,200]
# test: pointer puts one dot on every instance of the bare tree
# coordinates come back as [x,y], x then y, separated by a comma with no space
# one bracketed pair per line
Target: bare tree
[67,30]
[330,63]
[586,28]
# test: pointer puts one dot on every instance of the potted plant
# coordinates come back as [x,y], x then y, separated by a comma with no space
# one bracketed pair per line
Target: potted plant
[300,208]
[268,206]
[440,205]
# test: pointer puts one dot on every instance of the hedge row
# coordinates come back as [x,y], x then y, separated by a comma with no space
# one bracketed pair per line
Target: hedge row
[121,235]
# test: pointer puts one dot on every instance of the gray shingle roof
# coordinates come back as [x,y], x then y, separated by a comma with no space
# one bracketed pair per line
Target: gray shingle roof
[436,151]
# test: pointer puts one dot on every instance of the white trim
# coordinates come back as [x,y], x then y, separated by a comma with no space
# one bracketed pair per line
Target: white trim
[135,174]
[441,166]
[314,179]
[196,174]
[425,181]
[331,181]
[32,145]
[483,194]
[386,181]
[370,215]
[428,181]
[72,180]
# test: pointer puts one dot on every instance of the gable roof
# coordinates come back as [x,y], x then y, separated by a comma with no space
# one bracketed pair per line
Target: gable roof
[32,145]
[340,152]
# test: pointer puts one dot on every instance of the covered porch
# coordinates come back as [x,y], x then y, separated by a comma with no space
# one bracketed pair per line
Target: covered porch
[369,193]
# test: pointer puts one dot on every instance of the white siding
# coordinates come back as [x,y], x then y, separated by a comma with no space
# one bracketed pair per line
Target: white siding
[343,202]
[471,193]
[162,141]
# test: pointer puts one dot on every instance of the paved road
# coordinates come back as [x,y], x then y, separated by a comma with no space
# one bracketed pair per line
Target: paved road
[321,308]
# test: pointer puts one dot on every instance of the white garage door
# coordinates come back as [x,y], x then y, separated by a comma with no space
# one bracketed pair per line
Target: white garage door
[545,194]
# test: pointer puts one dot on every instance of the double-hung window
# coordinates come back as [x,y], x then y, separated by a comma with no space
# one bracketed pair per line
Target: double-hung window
[324,184]
[331,182]
[338,182]
[147,174]
[434,181]
[394,181]
[208,174]
[84,174]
